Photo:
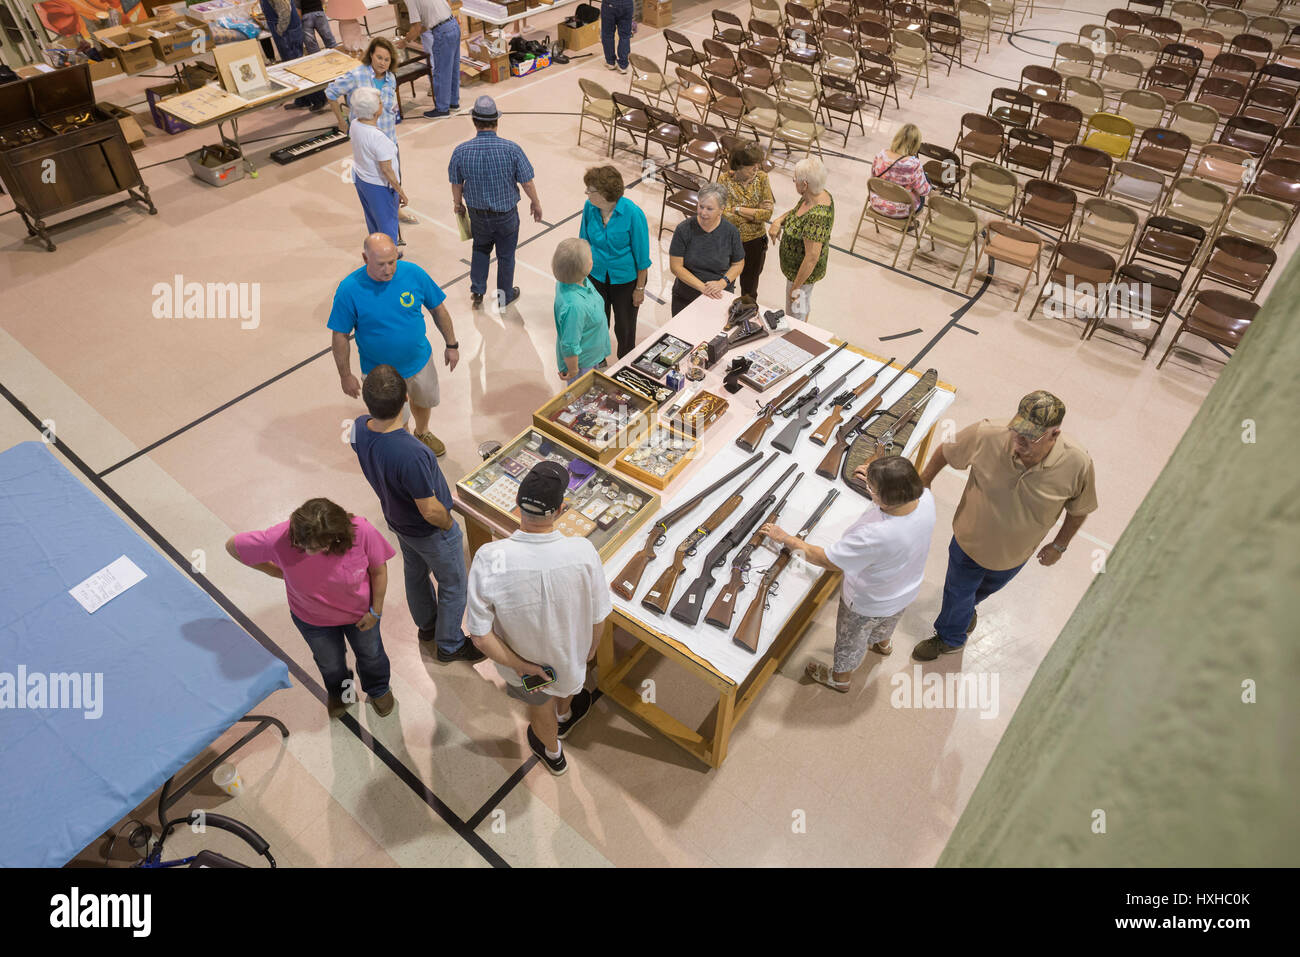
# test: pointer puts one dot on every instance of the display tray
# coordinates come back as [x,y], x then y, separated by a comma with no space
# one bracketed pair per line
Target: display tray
[75,119]
[23,134]
[777,358]
[666,349]
[597,416]
[601,506]
[661,454]
[699,413]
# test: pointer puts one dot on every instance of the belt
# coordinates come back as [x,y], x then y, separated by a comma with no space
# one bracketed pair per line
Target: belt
[488,212]
[440,23]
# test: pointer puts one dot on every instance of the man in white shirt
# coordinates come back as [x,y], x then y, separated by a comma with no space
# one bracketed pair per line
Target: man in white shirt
[434,23]
[537,601]
[882,556]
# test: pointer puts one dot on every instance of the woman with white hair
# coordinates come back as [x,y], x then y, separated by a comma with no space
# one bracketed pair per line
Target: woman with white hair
[581,329]
[805,234]
[706,254]
[376,172]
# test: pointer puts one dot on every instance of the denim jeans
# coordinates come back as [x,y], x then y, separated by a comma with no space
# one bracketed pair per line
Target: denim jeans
[315,24]
[443,46]
[968,583]
[616,13]
[490,230]
[289,45]
[439,608]
[326,644]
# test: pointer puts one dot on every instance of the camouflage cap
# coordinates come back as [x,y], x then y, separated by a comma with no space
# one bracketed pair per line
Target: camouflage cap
[1039,411]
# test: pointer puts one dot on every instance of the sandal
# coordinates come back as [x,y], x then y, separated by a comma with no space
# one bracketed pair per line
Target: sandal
[883,647]
[822,674]
[409,218]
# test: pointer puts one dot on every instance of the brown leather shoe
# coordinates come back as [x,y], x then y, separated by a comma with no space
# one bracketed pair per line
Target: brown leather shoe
[433,442]
[336,706]
[384,704]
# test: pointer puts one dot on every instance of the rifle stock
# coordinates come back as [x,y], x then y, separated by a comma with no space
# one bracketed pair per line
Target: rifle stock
[830,465]
[752,436]
[823,431]
[723,608]
[624,586]
[661,591]
[751,623]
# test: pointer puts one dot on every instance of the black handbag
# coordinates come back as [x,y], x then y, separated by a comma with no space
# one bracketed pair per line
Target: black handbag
[585,13]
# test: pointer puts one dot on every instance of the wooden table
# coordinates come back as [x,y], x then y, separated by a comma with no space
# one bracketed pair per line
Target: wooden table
[736,691]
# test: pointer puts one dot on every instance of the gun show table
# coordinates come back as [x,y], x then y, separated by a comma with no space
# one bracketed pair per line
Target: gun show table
[710,653]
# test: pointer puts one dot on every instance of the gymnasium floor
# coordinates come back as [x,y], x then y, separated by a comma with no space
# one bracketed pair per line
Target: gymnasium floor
[201,428]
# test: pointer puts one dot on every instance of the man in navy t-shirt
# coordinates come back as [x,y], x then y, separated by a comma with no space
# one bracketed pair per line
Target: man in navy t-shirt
[384,303]
[417,504]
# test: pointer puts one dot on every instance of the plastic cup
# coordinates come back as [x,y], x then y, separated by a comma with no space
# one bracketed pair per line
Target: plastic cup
[226,777]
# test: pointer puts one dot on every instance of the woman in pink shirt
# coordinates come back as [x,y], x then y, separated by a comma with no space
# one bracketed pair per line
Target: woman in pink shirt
[900,164]
[333,566]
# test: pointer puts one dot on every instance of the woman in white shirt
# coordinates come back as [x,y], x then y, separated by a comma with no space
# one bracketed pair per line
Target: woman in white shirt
[375,169]
[882,556]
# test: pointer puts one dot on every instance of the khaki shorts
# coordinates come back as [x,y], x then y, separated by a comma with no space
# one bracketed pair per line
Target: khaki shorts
[422,388]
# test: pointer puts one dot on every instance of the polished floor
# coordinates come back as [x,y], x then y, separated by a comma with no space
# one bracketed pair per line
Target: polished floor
[203,428]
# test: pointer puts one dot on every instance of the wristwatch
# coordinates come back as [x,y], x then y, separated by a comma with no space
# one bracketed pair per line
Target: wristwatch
[453,345]
[1059,548]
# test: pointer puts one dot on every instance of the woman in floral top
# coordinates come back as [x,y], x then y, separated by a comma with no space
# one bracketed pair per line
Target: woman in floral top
[805,234]
[749,205]
[900,164]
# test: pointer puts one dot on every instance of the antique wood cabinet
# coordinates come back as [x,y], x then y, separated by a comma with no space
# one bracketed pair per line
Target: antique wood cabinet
[58,150]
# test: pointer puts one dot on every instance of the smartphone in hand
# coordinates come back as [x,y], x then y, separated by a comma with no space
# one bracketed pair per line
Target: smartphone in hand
[533,682]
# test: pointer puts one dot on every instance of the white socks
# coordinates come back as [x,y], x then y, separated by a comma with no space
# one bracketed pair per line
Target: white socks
[559,749]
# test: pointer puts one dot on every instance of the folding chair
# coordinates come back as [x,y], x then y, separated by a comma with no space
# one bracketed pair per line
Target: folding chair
[976,21]
[597,104]
[1049,206]
[681,192]
[796,128]
[647,79]
[1074,268]
[1217,317]
[911,55]
[947,223]
[1241,265]
[876,72]
[1060,121]
[1029,151]
[694,89]
[1084,168]
[1109,133]
[1143,298]
[991,187]
[630,115]
[841,96]
[1279,180]
[943,33]
[1015,246]
[942,168]
[1108,225]
[890,193]
[726,102]
[1169,242]
[980,135]
[1085,95]
[1136,185]
[1253,217]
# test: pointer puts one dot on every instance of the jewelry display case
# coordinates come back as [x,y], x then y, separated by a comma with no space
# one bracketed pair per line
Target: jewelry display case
[597,416]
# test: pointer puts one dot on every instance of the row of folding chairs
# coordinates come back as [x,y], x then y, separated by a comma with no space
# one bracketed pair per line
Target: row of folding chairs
[1192,16]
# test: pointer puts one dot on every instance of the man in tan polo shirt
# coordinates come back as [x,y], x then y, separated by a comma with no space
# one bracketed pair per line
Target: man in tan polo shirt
[1022,476]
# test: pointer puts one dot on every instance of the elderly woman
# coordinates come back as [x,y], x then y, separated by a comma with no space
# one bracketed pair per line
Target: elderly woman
[900,164]
[376,71]
[615,227]
[805,234]
[334,567]
[748,207]
[706,254]
[581,327]
[376,172]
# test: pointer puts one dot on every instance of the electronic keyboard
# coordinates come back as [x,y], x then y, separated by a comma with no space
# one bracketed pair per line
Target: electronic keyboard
[309,146]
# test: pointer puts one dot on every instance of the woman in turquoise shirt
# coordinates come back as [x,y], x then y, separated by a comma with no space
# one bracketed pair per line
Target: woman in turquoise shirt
[620,250]
[581,328]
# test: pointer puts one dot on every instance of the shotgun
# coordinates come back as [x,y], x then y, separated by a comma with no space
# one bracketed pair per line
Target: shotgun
[661,592]
[752,436]
[843,402]
[751,625]
[885,444]
[804,410]
[830,465]
[625,584]
[689,605]
[724,605]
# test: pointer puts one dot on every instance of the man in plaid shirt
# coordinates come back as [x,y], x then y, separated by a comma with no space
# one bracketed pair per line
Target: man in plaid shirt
[486,173]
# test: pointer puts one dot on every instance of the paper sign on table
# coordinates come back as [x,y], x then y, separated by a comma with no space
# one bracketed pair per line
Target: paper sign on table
[107,583]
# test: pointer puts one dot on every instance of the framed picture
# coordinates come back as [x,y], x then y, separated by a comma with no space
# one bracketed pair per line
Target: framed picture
[249,75]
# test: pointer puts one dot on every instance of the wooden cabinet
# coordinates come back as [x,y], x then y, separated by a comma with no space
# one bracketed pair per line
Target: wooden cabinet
[58,150]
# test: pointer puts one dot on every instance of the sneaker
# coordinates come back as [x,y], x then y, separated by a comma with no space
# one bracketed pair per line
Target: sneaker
[428,634]
[933,647]
[578,709]
[317,107]
[611,66]
[336,706]
[556,766]
[454,107]
[384,704]
[514,295]
[466,652]
[476,299]
[974,617]
[436,114]
[622,70]
[433,442]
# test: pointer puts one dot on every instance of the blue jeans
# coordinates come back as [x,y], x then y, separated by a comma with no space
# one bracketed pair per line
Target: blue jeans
[326,644]
[443,46]
[968,583]
[380,205]
[289,45]
[319,24]
[439,609]
[490,230]
[616,13]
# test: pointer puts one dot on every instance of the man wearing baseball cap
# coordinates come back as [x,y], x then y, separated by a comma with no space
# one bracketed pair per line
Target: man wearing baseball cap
[537,601]
[486,173]
[1022,476]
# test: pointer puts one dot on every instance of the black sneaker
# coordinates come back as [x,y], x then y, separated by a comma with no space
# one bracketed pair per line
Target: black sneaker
[514,295]
[476,299]
[556,766]
[466,652]
[578,709]
[428,634]
[974,617]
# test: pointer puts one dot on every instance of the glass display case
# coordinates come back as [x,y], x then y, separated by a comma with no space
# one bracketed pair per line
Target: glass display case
[658,458]
[601,506]
[597,416]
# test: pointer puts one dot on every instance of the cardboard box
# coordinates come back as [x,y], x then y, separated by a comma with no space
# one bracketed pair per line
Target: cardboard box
[126,120]
[103,69]
[657,13]
[579,38]
[498,66]
[175,39]
[134,54]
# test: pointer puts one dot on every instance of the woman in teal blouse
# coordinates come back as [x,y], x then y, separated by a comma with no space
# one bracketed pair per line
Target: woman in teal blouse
[616,230]
[581,331]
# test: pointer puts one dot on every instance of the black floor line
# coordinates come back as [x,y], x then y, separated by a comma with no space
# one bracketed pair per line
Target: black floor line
[973,332]
[953,320]
[902,335]
[303,677]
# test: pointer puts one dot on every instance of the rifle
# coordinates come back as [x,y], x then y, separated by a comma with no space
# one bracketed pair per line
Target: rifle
[885,444]
[830,465]
[688,607]
[723,606]
[803,412]
[752,623]
[752,436]
[625,584]
[661,592]
[843,402]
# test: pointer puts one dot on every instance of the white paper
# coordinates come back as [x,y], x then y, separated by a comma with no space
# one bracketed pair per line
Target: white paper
[107,583]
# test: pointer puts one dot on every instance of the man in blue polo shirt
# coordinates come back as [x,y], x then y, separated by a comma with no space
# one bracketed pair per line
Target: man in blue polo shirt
[486,173]
[384,303]
[417,505]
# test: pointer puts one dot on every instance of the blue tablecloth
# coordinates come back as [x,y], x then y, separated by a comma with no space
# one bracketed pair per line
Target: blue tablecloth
[177,671]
